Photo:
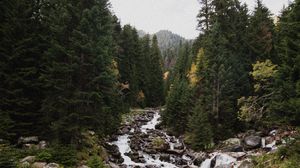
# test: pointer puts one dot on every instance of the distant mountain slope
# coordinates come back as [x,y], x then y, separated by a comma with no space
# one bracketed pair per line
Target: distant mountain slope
[168,43]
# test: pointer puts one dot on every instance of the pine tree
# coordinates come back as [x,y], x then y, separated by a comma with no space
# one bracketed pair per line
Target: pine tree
[129,61]
[286,104]
[200,129]
[79,73]
[204,15]
[175,117]
[155,95]
[22,46]
[261,34]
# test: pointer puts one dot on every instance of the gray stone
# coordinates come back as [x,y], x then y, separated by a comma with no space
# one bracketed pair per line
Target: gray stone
[29,159]
[38,164]
[42,145]
[224,166]
[252,142]
[232,141]
[178,146]
[164,157]
[28,140]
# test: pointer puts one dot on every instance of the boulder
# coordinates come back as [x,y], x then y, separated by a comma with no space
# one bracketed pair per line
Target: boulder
[198,158]
[52,165]
[178,146]
[29,159]
[252,142]
[234,148]
[164,157]
[124,130]
[38,164]
[30,146]
[113,138]
[150,151]
[42,145]
[181,161]
[28,140]
[232,145]
[232,141]
[224,166]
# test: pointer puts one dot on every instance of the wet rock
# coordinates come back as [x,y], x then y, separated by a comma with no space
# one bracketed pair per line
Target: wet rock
[164,157]
[246,164]
[113,138]
[178,146]
[150,151]
[158,126]
[181,161]
[39,164]
[29,159]
[151,166]
[113,150]
[124,130]
[252,142]
[136,157]
[198,159]
[175,152]
[28,140]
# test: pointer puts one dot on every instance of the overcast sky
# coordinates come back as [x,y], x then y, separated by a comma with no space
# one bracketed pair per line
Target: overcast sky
[179,16]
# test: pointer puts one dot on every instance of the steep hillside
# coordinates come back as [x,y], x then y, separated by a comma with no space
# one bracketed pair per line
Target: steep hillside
[168,43]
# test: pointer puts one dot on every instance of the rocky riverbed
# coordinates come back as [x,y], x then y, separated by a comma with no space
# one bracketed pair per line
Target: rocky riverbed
[143,143]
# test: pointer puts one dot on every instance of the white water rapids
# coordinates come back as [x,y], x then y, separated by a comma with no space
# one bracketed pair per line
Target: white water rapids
[123,144]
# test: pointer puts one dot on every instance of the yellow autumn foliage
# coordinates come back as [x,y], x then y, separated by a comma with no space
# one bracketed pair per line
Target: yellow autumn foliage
[198,63]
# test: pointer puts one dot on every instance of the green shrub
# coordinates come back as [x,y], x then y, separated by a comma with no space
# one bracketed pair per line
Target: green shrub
[44,155]
[95,162]
[64,155]
[8,157]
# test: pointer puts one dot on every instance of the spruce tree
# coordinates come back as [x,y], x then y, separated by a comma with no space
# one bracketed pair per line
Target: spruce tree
[79,73]
[22,46]
[129,62]
[286,104]
[156,86]
[261,34]
[200,129]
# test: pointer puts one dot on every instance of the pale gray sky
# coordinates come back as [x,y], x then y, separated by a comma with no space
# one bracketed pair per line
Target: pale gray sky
[178,16]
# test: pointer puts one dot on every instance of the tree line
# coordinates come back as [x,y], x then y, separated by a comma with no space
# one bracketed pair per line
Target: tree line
[69,66]
[241,72]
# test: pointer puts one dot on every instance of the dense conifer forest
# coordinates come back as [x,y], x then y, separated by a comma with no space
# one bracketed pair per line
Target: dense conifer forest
[71,75]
